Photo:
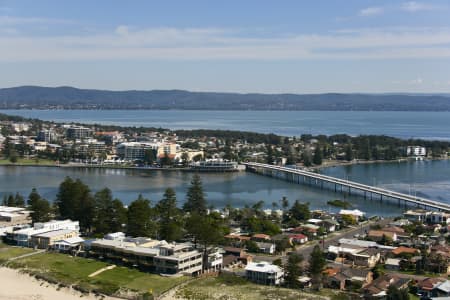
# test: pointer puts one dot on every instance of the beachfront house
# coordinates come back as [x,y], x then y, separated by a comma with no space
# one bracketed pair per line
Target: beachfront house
[264,273]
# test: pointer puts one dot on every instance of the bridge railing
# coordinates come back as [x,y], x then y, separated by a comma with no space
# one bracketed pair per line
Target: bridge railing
[356,185]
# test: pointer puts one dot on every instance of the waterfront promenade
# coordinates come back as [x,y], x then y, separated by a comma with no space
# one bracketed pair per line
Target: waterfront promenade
[302,176]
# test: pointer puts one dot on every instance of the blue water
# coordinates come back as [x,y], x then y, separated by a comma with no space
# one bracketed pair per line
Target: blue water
[425,125]
[429,179]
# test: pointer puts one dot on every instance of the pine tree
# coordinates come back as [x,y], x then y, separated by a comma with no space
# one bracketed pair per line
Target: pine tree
[196,201]
[74,201]
[317,160]
[103,206]
[41,209]
[349,152]
[292,270]
[317,264]
[269,158]
[140,218]
[170,228]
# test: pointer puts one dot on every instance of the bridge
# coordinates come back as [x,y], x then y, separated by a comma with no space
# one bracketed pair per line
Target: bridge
[302,176]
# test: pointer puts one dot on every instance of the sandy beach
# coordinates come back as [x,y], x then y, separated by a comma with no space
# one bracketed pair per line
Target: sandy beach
[19,286]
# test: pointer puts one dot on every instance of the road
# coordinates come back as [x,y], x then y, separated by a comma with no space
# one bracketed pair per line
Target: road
[333,239]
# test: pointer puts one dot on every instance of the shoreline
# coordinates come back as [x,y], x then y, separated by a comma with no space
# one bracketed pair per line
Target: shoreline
[326,164]
[18,284]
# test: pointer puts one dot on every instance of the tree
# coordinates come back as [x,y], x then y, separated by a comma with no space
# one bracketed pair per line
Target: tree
[149,156]
[269,158]
[206,230]
[394,293]
[13,200]
[119,216]
[74,201]
[317,264]
[166,160]
[19,201]
[293,270]
[40,208]
[282,244]
[195,197]
[109,214]
[170,227]
[140,218]
[317,159]
[306,157]
[300,211]
[185,159]
[349,152]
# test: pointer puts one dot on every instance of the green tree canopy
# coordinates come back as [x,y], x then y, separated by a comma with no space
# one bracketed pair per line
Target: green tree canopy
[317,264]
[140,218]
[74,201]
[170,220]
[41,210]
[195,202]
[109,215]
[292,270]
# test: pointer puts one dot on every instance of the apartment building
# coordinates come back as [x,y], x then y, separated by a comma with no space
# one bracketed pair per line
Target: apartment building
[151,255]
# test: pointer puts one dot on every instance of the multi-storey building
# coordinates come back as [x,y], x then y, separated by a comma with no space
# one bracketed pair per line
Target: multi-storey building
[78,132]
[132,151]
[151,255]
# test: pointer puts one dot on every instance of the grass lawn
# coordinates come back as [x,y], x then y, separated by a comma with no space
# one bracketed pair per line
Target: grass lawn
[69,270]
[224,288]
[7,252]
[413,297]
[32,161]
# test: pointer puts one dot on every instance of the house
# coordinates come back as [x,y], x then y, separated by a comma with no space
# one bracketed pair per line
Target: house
[356,214]
[260,237]
[264,273]
[298,238]
[401,251]
[329,225]
[441,289]
[379,235]
[392,264]
[416,215]
[438,217]
[233,255]
[22,237]
[359,256]
[236,240]
[68,244]
[426,286]
[12,216]
[268,248]
[344,278]
[46,240]
[377,289]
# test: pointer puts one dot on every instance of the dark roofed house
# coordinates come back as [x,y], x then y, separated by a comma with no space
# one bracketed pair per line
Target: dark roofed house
[377,289]
[345,278]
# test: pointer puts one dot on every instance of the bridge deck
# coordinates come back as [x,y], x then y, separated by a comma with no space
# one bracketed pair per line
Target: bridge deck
[355,185]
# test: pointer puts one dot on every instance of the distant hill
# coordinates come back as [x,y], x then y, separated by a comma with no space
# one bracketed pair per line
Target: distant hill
[73,98]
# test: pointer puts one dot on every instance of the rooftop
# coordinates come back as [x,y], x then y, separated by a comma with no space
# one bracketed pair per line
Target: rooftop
[263,267]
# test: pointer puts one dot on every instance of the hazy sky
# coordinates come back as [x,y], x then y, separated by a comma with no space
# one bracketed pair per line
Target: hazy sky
[234,45]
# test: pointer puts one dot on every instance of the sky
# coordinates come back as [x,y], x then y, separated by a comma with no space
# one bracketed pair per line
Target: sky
[288,46]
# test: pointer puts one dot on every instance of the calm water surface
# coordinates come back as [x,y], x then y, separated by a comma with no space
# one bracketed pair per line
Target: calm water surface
[429,179]
[426,125]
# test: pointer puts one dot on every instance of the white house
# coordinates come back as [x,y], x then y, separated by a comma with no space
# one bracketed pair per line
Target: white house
[264,273]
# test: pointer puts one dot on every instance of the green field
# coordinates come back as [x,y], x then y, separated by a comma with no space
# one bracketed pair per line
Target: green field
[30,162]
[68,270]
[7,252]
[239,289]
